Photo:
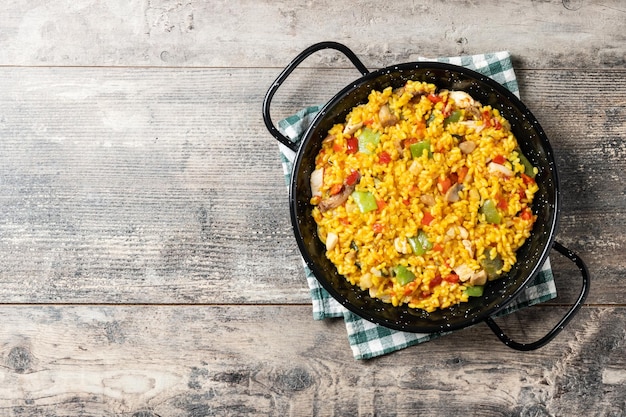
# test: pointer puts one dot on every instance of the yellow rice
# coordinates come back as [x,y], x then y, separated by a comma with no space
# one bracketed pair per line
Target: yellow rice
[367,247]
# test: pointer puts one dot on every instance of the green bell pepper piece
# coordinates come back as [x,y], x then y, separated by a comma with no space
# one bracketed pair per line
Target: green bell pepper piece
[475,291]
[528,167]
[431,119]
[404,275]
[492,266]
[420,243]
[491,212]
[417,149]
[368,141]
[365,201]
[454,117]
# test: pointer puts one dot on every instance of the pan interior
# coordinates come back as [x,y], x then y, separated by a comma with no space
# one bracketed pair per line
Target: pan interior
[531,256]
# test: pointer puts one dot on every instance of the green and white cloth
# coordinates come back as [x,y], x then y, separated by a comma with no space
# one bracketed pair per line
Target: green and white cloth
[367,339]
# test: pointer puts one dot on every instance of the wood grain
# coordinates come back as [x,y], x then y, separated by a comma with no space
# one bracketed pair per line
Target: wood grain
[147,262]
[554,33]
[155,186]
[125,361]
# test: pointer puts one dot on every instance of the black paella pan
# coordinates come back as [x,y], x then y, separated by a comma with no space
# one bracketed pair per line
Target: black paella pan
[531,256]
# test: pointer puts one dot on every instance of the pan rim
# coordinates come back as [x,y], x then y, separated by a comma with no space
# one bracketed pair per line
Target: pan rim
[551,223]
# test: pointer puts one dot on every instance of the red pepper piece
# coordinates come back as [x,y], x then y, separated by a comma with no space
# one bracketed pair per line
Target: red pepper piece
[451,278]
[461,173]
[487,118]
[527,179]
[353,178]
[444,184]
[384,158]
[336,189]
[435,281]
[434,98]
[353,145]
[499,159]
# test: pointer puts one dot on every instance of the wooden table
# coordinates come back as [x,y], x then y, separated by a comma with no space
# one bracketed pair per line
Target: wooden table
[147,262]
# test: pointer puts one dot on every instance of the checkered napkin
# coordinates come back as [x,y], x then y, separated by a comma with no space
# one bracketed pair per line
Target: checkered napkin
[367,339]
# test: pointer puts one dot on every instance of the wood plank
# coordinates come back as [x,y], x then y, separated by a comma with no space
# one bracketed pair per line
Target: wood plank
[147,263]
[110,174]
[163,185]
[247,360]
[555,33]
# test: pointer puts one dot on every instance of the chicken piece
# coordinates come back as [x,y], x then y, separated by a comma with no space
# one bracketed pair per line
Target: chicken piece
[401,245]
[464,272]
[475,111]
[479,278]
[331,241]
[461,99]
[386,117]
[473,124]
[350,257]
[336,200]
[474,195]
[452,195]
[467,146]
[366,281]
[500,170]
[415,168]
[468,247]
[317,179]
[471,106]
[428,200]
[399,91]
[352,127]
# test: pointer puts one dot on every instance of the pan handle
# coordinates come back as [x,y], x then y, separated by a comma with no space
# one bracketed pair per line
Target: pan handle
[289,69]
[561,324]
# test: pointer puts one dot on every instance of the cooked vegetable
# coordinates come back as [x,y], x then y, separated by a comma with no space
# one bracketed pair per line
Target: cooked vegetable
[403,275]
[365,201]
[454,117]
[418,149]
[420,243]
[368,140]
[491,212]
[352,145]
[493,267]
[475,291]
[528,167]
